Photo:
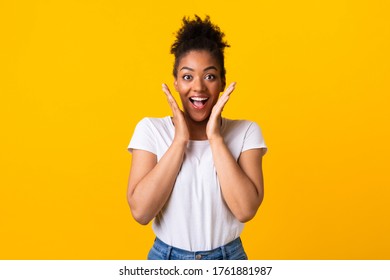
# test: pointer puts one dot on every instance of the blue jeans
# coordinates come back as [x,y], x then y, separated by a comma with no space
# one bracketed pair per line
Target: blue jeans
[231,251]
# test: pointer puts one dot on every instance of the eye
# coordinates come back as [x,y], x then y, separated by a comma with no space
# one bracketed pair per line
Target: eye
[210,77]
[187,77]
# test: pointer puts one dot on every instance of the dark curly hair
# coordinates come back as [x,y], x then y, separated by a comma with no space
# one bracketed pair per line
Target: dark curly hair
[199,34]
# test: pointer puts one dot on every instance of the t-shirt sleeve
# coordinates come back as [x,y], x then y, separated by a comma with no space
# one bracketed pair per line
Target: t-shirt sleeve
[143,137]
[254,138]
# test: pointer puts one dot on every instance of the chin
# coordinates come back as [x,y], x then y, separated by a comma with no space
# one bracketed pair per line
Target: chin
[199,118]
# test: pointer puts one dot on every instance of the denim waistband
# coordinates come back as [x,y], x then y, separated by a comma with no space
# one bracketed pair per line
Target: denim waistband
[232,250]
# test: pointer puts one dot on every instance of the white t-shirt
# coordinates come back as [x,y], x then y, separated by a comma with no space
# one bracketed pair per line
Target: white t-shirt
[196,217]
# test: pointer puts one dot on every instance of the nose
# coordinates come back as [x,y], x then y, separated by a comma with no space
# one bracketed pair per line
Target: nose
[198,85]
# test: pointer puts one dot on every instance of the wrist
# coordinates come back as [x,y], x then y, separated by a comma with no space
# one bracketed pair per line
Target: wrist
[218,139]
[180,142]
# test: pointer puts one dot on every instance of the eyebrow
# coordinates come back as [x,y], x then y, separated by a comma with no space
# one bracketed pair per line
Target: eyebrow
[204,70]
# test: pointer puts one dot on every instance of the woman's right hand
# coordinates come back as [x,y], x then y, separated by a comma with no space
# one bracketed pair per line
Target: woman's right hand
[181,129]
[151,181]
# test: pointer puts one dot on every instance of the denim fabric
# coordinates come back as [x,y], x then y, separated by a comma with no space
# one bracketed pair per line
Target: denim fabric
[231,251]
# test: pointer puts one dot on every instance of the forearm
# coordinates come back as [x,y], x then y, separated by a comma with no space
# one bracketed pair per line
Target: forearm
[151,193]
[241,194]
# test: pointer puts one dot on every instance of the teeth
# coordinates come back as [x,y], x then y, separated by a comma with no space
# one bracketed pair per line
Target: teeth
[199,98]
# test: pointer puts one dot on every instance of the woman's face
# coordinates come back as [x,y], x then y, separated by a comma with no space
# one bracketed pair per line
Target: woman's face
[199,84]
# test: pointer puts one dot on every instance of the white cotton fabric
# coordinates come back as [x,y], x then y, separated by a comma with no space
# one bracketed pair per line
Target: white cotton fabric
[196,217]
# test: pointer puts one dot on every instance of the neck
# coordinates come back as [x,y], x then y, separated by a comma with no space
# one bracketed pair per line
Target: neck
[196,129]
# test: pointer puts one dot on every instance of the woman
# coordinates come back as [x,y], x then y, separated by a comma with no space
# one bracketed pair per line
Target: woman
[198,175]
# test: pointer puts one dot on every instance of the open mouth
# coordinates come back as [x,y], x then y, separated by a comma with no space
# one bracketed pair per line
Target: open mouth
[198,102]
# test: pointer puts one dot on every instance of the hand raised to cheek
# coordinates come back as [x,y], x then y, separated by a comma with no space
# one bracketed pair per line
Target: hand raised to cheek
[181,129]
[213,129]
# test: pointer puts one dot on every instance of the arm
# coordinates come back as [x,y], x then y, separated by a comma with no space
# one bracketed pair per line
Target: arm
[241,182]
[151,182]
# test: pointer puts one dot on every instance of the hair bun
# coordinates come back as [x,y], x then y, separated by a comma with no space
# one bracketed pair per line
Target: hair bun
[198,30]
[198,34]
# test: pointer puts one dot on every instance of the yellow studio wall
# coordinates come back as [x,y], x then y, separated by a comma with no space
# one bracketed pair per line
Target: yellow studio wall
[76,77]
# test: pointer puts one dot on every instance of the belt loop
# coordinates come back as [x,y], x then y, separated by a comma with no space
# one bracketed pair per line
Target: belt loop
[223,250]
[169,251]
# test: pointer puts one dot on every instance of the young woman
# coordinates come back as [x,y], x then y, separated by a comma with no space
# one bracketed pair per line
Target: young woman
[198,175]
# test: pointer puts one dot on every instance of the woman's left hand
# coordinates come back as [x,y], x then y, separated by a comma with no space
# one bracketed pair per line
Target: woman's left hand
[213,129]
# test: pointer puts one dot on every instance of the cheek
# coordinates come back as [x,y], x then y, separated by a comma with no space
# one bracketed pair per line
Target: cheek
[217,90]
[181,88]
[183,96]
[215,101]
[218,87]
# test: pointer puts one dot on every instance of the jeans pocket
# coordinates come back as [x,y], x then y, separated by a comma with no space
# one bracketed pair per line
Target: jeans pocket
[155,255]
[237,253]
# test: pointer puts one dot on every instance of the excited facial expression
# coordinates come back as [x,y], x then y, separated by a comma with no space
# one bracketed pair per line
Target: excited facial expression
[199,84]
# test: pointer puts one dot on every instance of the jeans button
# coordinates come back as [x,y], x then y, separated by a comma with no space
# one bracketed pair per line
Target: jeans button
[198,257]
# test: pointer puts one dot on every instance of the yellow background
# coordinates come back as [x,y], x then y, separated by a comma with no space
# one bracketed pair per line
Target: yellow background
[76,77]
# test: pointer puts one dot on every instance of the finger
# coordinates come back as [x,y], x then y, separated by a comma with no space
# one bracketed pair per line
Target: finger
[167,91]
[171,99]
[229,89]
[224,98]
[221,105]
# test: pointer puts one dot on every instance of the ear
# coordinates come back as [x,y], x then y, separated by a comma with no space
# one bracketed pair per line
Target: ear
[175,84]
[223,84]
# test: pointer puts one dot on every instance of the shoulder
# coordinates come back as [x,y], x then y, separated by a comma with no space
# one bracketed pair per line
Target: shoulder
[243,133]
[149,132]
[239,125]
[156,128]
[155,123]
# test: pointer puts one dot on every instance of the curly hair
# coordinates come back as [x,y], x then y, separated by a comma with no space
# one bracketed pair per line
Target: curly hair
[199,34]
